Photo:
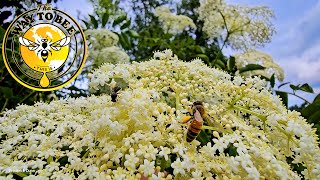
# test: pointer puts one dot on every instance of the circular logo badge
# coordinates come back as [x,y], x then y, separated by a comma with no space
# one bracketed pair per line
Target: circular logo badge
[44,49]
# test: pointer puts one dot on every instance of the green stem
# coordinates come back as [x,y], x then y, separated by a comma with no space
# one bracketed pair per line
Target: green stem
[225,40]
[5,104]
[26,97]
[296,96]
[262,117]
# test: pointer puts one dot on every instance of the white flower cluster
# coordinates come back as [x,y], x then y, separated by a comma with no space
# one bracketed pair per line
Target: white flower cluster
[239,26]
[257,57]
[173,24]
[140,135]
[104,49]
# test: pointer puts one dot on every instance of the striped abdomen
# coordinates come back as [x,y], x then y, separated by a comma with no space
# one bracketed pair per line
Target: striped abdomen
[195,127]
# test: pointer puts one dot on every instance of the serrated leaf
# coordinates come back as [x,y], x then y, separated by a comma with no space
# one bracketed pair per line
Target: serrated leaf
[306,88]
[251,67]
[133,33]
[283,96]
[231,63]
[8,93]
[94,21]
[125,25]
[272,81]
[105,19]
[283,84]
[119,19]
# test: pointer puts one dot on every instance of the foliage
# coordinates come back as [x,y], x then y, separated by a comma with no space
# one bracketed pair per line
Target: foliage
[251,135]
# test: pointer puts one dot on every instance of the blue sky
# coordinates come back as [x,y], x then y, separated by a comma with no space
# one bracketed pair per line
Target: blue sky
[295,46]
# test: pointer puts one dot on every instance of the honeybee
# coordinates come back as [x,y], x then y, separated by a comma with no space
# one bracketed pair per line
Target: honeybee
[42,47]
[114,93]
[197,114]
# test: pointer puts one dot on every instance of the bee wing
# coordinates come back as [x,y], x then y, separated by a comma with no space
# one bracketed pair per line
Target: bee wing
[30,44]
[62,42]
[197,116]
[215,125]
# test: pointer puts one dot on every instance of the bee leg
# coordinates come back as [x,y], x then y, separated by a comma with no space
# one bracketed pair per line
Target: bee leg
[186,119]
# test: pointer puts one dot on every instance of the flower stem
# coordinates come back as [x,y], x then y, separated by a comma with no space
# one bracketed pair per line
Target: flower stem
[5,104]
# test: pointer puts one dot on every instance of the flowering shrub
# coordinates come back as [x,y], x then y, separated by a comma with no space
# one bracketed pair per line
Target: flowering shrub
[253,135]
[103,47]
[240,26]
[256,57]
[172,23]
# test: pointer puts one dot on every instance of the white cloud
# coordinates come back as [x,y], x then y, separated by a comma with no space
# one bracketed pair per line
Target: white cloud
[304,66]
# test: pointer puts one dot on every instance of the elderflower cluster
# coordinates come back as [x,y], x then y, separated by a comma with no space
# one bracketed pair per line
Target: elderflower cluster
[104,49]
[257,57]
[173,24]
[239,26]
[140,135]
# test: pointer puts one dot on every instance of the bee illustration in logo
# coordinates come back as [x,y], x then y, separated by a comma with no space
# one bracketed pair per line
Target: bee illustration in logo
[43,46]
[114,94]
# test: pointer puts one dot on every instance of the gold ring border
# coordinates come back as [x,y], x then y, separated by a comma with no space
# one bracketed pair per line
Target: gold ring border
[47,89]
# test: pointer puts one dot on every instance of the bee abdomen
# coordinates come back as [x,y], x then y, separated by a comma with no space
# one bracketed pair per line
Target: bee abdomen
[193,130]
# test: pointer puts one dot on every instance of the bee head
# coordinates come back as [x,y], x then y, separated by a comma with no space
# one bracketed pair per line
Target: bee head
[198,105]
[44,40]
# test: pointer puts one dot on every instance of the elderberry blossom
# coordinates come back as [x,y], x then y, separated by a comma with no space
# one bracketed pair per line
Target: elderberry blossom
[252,134]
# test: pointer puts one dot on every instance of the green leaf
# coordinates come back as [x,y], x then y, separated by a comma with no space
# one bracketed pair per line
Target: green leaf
[283,96]
[283,84]
[251,67]
[306,88]
[49,160]
[165,164]
[220,63]
[294,87]
[86,23]
[272,81]
[8,93]
[105,19]
[119,19]
[204,57]
[203,138]
[2,33]
[199,49]
[94,21]
[124,41]
[316,99]
[21,174]
[314,118]
[311,109]
[133,33]
[125,25]
[231,63]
